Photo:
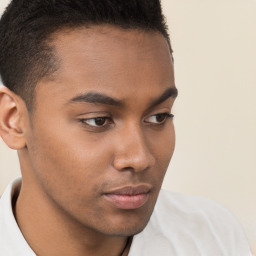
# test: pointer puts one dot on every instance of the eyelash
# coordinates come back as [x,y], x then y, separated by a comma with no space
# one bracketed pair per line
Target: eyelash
[105,118]
[110,121]
[164,115]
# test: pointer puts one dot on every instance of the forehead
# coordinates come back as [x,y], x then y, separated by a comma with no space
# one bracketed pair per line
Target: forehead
[111,60]
[105,38]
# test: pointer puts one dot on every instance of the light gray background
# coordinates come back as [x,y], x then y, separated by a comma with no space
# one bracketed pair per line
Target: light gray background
[215,62]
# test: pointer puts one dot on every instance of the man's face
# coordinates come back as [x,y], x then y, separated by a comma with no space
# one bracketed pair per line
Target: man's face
[101,136]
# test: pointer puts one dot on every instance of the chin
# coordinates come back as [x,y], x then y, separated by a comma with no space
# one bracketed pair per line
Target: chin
[124,231]
[128,227]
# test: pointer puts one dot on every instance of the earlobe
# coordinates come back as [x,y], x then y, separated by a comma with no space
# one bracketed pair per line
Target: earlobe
[11,115]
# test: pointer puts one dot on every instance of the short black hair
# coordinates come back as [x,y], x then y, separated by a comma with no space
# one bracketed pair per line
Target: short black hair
[26,26]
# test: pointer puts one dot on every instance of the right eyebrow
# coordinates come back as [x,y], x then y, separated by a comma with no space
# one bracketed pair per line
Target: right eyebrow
[96,98]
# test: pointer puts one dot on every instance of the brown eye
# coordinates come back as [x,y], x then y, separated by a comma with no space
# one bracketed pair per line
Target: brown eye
[158,118]
[100,121]
[161,117]
[96,121]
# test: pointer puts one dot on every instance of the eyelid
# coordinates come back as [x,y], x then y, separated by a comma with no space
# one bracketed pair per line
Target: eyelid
[109,122]
[94,114]
[167,116]
[106,125]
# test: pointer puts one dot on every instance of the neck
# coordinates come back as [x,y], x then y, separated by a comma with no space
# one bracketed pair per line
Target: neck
[50,232]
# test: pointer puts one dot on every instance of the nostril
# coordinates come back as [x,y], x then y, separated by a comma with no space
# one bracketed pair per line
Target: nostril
[127,168]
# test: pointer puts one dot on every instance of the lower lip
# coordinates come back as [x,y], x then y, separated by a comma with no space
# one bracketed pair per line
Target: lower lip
[127,201]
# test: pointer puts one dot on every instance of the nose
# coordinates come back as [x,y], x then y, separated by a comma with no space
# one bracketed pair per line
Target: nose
[133,151]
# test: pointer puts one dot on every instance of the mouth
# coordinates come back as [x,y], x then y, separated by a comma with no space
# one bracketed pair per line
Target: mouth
[129,197]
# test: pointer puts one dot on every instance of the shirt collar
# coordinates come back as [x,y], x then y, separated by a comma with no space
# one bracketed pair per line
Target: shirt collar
[12,242]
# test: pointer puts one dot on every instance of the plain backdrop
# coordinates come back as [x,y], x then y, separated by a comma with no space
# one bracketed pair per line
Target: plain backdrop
[215,114]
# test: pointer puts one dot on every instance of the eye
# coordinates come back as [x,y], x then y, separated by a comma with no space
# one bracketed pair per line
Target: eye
[158,118]
[96,121]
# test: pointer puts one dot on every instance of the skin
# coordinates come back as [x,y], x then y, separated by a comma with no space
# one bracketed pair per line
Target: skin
[68,162]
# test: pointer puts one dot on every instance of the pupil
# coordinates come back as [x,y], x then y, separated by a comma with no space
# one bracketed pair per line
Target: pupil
[100,120]
[160,117]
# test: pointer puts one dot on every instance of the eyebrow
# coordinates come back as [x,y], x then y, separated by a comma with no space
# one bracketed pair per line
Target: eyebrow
[97,98]
[100,98]
[171,92]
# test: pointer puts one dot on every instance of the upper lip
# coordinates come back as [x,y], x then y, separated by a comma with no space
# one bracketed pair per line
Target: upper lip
[131,190]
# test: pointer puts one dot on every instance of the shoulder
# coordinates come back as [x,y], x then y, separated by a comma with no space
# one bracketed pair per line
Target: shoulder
[193,225]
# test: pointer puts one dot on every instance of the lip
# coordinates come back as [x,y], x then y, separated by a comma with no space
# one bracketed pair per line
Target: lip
[129,197]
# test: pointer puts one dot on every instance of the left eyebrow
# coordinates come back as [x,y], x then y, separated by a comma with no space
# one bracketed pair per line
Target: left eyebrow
[170,92]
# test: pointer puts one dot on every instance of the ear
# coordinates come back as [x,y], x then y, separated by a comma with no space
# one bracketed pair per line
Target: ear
[12,124]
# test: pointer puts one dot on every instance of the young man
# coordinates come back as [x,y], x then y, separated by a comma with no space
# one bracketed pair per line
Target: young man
[87,98]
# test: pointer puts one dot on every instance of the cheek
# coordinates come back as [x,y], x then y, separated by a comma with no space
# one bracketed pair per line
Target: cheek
[162,147]
[69,174]
[68,165]
[162,144]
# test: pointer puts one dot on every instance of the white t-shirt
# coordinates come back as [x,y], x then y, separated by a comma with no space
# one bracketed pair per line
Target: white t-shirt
[180,225]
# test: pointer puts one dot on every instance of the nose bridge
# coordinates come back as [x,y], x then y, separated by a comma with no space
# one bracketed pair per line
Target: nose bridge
[133,151]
